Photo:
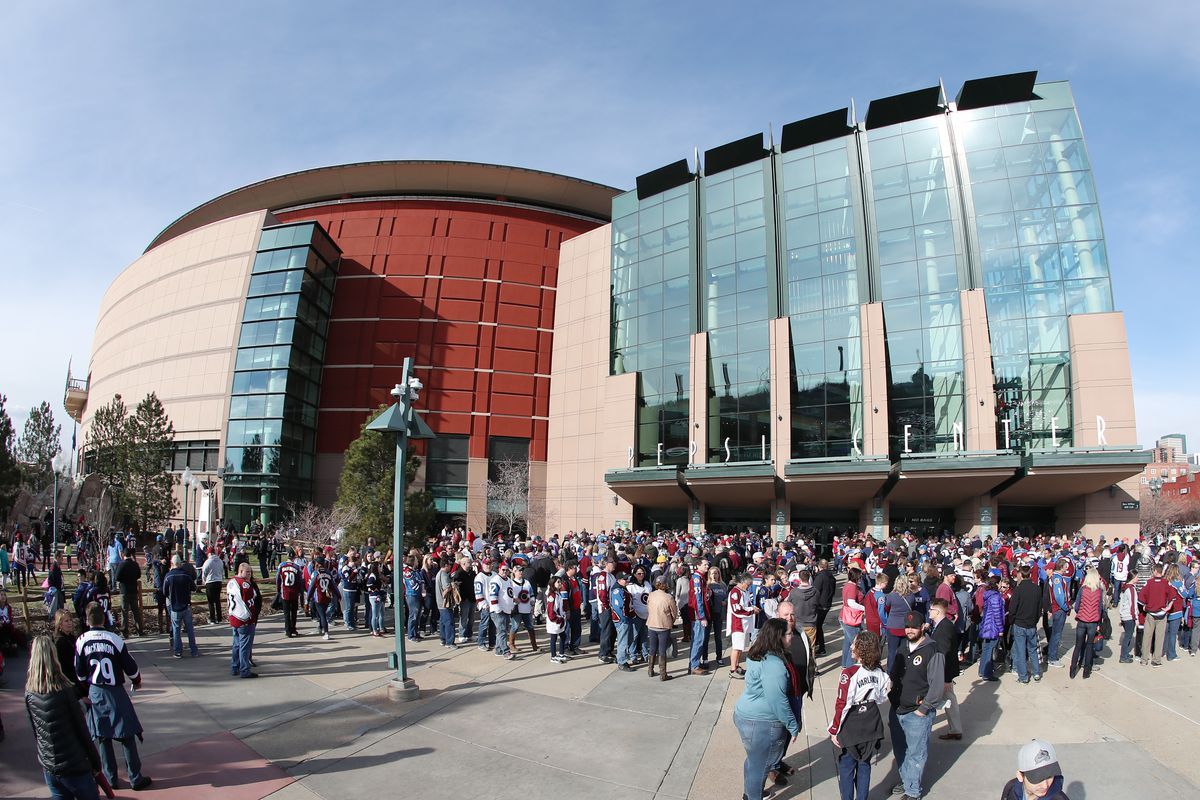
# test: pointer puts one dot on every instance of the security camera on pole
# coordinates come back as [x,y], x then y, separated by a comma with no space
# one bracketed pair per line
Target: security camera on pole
[401,420]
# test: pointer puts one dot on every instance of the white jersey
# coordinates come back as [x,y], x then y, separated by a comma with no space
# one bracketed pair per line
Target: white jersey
[638,595]
[523,595]
[500,595]
[482,579]
[1120,569]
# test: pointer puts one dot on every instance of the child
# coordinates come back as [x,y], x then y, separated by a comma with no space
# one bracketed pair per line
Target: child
[857,729]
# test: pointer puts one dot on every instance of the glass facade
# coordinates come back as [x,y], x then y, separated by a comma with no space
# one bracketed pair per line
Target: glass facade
[920,260]
[271,435]
[907,215]
[1041,254]
[654,314]
[446,465]
[824,281]
[738,270]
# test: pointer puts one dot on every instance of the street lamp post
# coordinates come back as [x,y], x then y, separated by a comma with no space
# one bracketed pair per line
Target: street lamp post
[186,480]
[401,420]
[55,465]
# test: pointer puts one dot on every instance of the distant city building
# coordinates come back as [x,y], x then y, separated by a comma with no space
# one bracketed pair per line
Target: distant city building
[1177,442]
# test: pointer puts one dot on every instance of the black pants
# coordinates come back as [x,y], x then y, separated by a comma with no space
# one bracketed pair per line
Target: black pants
[212,591]
[822,612]
[129,608]
[290,607]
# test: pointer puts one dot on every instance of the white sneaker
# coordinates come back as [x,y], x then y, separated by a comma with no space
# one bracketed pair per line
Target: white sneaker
[327,636]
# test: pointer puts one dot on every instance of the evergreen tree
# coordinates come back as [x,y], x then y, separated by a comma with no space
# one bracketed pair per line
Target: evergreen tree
[151,501]
[108,451]
[39,445]
[367,487]
[10,475]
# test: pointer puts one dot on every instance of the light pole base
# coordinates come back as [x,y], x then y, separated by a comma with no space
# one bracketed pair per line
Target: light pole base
[403,691]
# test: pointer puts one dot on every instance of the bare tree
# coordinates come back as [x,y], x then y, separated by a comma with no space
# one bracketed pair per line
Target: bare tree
[315,526]
[508,497]
[1160,513]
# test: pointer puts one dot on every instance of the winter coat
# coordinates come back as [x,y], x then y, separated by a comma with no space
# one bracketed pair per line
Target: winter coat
[992,625]
[64,745]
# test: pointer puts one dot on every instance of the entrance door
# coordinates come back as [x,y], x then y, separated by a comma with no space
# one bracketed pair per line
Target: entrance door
[922,521]
[1027,521]
[656,519]
[729,519]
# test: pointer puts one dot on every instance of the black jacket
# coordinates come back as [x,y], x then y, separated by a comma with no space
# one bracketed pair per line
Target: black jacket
[1026,606]
[805,663]
[64,745]
[824,583]
[945,636]
[128,575]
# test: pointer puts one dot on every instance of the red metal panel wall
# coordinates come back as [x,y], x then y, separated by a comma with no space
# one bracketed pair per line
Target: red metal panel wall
[461,287]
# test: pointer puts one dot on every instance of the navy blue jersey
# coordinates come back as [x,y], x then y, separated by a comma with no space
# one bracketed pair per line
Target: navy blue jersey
[102,659]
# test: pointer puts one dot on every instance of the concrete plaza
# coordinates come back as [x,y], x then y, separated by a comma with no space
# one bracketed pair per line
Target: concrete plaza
[318,724]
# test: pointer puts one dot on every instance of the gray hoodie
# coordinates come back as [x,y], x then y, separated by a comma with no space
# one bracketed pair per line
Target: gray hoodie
[804,599]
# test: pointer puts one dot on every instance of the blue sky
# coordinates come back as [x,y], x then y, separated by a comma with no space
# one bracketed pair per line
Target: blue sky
[117,118]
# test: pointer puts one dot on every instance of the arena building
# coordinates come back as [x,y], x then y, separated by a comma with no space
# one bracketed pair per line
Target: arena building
[899,322]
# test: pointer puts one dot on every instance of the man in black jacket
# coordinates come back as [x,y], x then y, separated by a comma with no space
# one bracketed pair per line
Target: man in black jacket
[825,583]
[918,681]
[128,576]
[1025,610]
[945,636]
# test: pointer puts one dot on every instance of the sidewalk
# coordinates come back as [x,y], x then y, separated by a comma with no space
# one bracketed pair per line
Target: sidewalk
[317,724]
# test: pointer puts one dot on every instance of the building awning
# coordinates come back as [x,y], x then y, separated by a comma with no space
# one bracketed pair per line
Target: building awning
[1053,478]
[834,484]
[742,485]
[650,487]
[950,481]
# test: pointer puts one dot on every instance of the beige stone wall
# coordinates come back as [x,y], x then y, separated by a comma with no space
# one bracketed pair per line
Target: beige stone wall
[1101,380]
[979,423]
[589,431]
[1100,513]
[874,372]
[169,324]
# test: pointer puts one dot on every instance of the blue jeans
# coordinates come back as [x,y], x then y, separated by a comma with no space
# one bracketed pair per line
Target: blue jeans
[181,620]
[350,608]
[698,647]
[1127,628]
[761,738]
[465,618]
[446,625]
[1025,652]
[1173,637]
[1085,634]
[893,646]
[322,612]
[368,612]
[849,634]
[412,603]
[375,613]
[1057,620]
[625,640]
[239,664]
[486,632]
[854,776]
[641,646]
[910,744]
[72,787]
[986,669]
[504,626]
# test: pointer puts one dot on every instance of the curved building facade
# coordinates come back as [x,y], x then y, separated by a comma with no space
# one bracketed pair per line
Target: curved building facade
[272,320]
[904,321]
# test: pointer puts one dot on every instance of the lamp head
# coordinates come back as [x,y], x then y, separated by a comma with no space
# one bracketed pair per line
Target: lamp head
[397,391]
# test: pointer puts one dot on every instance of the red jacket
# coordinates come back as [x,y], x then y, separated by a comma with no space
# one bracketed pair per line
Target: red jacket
[1156,596]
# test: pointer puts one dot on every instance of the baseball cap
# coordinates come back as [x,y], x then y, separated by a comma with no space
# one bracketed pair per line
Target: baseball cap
[1037,761]
[914,619]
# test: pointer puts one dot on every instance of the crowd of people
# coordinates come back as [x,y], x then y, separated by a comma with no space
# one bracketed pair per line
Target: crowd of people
[915,613]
